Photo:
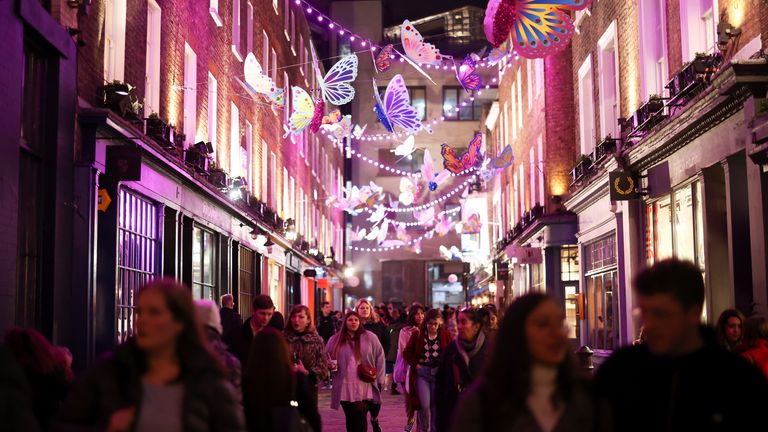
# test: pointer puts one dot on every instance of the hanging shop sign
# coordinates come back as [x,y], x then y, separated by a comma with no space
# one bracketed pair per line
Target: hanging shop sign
[502,270]
[104,200]
[123,163]
[624,186]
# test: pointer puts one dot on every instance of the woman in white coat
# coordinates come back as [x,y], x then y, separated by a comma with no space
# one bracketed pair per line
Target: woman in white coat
[415,320]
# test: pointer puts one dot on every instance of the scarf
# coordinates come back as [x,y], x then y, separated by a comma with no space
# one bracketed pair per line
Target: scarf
[469,350]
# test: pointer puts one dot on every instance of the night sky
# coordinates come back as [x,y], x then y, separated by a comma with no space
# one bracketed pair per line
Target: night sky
[395,11]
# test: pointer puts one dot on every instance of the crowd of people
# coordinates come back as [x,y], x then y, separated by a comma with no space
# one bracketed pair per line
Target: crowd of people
[195,366]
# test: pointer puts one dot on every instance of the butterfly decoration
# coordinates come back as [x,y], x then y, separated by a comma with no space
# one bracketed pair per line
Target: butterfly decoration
[539,28]
[415,48]
[378,232]
[383,59]
[425,217]
[255,77]
[409,190]
[277,97]
[469,159]
[333,117]
[406,148]
[401,238]
[359,234]
[342,129]
[471,225]
[336,86]
[357,132]
[486,172]
[415,246]
[378,215]
[452,254]
[467,75]
[432,179]
[355,199]
[443,225]
[504,160]
[396,109]
[305,113]
[498,53]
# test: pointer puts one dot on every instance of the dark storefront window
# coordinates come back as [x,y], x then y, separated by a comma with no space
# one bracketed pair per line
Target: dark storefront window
[138,257]
[204,284]
[246,281]
[601,302]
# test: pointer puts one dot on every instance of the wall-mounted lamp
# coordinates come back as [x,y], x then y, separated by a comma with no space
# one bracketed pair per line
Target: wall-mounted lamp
[726,32]
[290,230]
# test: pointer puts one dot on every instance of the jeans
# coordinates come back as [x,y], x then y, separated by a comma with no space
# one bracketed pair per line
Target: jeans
[425,383]
[356,415]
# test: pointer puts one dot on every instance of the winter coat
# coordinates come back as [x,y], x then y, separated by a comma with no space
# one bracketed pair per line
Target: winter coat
[401,366]
[471,413]
[230,323]
[756,353]
[310,350]
[326,327]
[393,330]
[115,383]
[381,332]
[371,353]
[456,372]
[15,407]
[706,390]
[234,371]
[412,353]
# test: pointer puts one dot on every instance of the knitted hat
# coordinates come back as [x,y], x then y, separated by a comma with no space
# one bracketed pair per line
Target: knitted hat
[208,314]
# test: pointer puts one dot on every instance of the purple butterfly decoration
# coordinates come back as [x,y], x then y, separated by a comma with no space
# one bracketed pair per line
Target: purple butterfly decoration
[467,75]
[396,109]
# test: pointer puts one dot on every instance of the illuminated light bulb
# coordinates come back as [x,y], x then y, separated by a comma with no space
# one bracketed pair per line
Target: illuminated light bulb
[341,32]
[309,10]
[479,92]
[401,60]
[487,86]
[352,39]
[298,2]
[331,26]
[363,43]
[320,18]
[373,49]
[494,80]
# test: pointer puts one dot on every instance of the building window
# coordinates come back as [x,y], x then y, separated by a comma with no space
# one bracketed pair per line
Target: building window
[293,32]
[204,248]
[653,52]
[287,18]
[521,174]
[190,94]
[249,28]
[213,9]
[287,98]
[236,33]
[540,144]
[273,174]
[513,111]
[213,100]
[539,67]
[586,107]
[674,226]
[246,280]
[519,81]
[152,76]
[235,164]
[569,275]
[114,40]
[245,153]
[138,254]
[529,82]
[264,174]
[697,24]
[265,53]
[569,264]
[601,303]
[274,66]
[302,58]
[609,82]
[451,99]
[532,173]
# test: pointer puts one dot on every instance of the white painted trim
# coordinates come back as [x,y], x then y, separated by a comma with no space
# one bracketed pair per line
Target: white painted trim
[584,69]
[610,36]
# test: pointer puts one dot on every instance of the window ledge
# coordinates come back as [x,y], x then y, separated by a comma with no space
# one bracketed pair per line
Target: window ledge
[216,17]
[236,52]
[579,18]
[287,36]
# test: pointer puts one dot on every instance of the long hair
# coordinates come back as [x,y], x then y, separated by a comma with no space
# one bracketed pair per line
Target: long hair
[193,353]
[297,310]
[412,314]
[36,356]
[508,373]
[268,379]
[374,318]
[722,322]
[344,337]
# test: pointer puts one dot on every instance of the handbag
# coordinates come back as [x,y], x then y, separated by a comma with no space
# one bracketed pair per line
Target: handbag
[367,373]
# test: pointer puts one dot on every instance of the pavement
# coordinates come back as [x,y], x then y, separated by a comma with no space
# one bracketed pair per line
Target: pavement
[392,417]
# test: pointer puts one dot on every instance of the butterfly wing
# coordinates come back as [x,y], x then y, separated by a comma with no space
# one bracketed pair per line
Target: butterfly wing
[498,53]
[384,59]
[397,106]
[407,147]
[415,47]
[504,160]
[473,157]
[380,110]
[255,77]
[336,86]
[357,132]
[277,97]
[427,168]
[451,162]
[303,111]
[332,117]
[468,76]
[541,27]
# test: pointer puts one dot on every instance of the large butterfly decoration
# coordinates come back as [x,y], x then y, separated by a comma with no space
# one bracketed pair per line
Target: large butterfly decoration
[383,60]
[396,109]
[539,28]
[504,160]
[469,159]
[336,86]
[415,48]
[467,75]
[428,174]
[255,77]
[305,113]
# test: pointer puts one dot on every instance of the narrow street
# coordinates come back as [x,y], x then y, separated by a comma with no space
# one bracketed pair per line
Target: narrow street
[391,419]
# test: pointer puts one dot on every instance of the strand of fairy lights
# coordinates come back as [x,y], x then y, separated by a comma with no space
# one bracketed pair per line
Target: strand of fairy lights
[434,202]
[391,248]
[415,224]
[342,31]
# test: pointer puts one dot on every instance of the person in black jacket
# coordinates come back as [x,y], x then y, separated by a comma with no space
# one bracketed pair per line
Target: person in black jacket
[326,322]
[230,319]
[373,324]
[679,379]
[164,378]
[240,345]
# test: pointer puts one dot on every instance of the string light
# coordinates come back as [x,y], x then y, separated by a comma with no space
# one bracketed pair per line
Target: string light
[415,224]
[434,202]
[391,248]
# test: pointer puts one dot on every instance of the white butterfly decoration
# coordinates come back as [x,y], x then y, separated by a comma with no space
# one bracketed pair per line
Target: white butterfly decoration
[255,77]
[415,48]
[408,190]
[443,225]
[336,86]
[357,132]
[379,232]
[406,148]
[428,174]
[341,129]
[425,217]
[452,254]
[359,234]
[378,215]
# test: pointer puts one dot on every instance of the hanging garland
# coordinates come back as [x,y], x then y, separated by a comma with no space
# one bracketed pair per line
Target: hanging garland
[434,202]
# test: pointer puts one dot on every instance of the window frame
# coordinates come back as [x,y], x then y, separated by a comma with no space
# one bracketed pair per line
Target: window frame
[190,95]
[213,9]
[152,70]
[608,39]
[236,30]
[213,121]
[587,143]
[475,108]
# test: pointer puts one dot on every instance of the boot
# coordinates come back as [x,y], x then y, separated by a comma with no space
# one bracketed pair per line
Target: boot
[375,425]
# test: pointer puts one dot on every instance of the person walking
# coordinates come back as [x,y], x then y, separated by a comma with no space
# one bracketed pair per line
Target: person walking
[208,315]
[729,329]
[423,353]
[163,378]
[307,352]
[462,362]
[531,382]
[45,369]
[326,322]
[401,375]
[357,363]
[680,378]
[754,348]
[393,330]
[372,322]
[261,315]
[271,388]
[230,319]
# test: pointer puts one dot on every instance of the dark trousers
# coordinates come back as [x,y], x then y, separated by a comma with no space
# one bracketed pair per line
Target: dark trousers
[356,414]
